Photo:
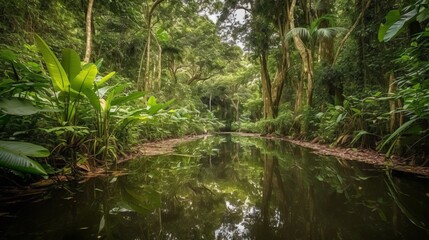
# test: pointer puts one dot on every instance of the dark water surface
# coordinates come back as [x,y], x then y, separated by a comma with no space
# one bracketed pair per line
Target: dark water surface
[229,187]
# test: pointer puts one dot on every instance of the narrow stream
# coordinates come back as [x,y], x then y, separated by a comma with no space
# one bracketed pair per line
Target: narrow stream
[229,187]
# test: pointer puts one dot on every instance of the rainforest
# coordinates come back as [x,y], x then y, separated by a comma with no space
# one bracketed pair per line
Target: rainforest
[214,119]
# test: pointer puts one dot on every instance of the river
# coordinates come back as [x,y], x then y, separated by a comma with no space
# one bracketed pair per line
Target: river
[228,187]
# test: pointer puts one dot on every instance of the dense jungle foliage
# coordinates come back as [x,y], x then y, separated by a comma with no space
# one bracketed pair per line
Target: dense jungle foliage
[83,81]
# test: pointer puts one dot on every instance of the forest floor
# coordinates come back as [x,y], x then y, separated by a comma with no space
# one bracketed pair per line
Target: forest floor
[355,154]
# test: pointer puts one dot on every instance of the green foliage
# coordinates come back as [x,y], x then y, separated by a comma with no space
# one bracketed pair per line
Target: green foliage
[356,121]
[397,23]
[15,156]
[414,93]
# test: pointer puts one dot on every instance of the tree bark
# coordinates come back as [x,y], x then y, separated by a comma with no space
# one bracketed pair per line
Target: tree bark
[266,88]
[88,31]
[305,54]
[147,84]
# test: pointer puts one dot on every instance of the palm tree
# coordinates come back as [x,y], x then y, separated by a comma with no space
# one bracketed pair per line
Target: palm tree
[307,40]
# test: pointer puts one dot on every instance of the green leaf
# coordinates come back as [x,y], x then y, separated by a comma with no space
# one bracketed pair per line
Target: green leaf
[71,63]
[7,55]
[93,98]
[99,63]
[401,24]
[391,17]
[25,148]
[56,71]
[85,79]
[397,133]
[151,101]
[12,157]
[18,107]
[300,32]
[128,98]
[162,35]
[105,78]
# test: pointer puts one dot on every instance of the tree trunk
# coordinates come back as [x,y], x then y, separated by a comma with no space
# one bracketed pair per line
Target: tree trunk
[299,95]
[88,31]
[305,54]
[147,84]
[266,88]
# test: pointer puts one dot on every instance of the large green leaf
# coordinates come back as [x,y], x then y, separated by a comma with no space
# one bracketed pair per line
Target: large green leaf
[25,148]
[12,157]
[7,55]
[391,17]
[105,78]
[128,98]
[399,25]
[85,79]
[93,98]
[71,63]
[55,69]
[397,133]
[18,107]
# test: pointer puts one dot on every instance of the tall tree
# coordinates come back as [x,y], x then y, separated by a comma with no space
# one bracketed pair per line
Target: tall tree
[268,21]
[305,54]
[88,31]
[145,82]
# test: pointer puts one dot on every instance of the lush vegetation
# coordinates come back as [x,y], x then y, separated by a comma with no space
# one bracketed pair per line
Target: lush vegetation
[83,81]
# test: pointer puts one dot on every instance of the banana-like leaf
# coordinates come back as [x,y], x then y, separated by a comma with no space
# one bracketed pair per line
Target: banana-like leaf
[71,63]
[391,17]
[85,79]
[111,96]
[13,155]
[25,148]
[125,99]
[18,107]
[94,100]
[56,71]
[105,78]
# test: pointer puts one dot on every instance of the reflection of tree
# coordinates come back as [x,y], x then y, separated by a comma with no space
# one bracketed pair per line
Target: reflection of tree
[271,177]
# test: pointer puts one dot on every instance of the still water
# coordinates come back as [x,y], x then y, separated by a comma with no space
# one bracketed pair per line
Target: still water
[229,187]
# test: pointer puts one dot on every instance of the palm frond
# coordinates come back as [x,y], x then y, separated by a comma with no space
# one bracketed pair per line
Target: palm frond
[299,31]
[329,32]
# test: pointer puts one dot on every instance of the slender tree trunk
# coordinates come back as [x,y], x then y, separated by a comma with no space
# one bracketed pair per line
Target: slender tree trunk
[88,31]
[305,54]
[210,102]
[147,84]
[299,94]
[266,88]
[346,37]
[158,79]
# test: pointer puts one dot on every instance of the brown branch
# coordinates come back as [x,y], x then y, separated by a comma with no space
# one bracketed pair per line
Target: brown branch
[343,41]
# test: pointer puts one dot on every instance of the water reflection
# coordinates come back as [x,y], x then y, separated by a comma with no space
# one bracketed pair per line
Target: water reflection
[230,187]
